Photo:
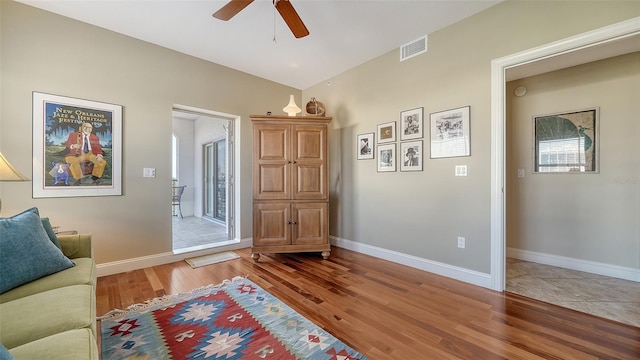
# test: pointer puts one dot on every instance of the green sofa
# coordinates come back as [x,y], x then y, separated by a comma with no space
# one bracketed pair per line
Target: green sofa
[54,317]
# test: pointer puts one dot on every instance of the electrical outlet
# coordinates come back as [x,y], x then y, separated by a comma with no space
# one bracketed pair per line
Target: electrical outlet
[461,242]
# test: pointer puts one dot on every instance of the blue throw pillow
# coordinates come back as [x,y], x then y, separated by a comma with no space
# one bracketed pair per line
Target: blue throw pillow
[50,232]
[4,353]
[26,252]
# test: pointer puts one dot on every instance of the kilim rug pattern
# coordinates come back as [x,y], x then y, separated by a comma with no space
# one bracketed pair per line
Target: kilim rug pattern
[233,320]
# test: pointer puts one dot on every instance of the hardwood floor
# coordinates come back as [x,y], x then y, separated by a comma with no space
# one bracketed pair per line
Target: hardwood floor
[389,311]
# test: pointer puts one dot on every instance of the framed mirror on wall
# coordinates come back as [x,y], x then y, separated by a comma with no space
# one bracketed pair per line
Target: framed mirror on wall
[566,142]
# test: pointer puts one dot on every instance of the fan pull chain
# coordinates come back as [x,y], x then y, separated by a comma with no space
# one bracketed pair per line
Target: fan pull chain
[274,25]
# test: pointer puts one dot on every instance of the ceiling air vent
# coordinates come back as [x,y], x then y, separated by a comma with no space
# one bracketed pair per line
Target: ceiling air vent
[413,48]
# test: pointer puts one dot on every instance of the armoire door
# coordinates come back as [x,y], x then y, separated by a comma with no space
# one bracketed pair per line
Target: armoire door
[271,224]
[309,160]
[310,223]
[271,144]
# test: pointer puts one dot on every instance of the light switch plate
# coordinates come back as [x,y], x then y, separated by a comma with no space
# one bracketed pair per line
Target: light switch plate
[461,170]
[149,172]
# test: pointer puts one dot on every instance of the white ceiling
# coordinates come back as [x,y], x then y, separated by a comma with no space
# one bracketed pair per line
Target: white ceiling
[606,49]
[343,33]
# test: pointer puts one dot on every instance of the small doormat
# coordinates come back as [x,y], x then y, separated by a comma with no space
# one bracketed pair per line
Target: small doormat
[205,260]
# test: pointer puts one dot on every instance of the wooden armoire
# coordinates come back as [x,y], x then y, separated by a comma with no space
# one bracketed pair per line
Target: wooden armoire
[290,190]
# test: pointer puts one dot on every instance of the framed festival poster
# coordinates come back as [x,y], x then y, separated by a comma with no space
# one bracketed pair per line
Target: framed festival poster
[411,124]
[77,147]
[387,158]
[450,133]
[387,132]
[411,152]
[365,146]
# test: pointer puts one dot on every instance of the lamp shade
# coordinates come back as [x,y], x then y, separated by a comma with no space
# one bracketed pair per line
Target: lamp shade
[292,109]
[8,172]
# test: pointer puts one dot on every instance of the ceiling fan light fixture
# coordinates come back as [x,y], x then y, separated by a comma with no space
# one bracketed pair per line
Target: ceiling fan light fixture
[291,109]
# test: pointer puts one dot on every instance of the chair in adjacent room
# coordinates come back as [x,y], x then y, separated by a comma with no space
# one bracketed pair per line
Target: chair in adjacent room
[176,199]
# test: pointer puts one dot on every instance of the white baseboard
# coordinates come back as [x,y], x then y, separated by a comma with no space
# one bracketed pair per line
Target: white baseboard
[593,267]
[458,273]
[121,266]
[454,272]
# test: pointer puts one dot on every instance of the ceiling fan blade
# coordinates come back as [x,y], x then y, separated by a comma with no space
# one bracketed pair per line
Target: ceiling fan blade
[231,9]
[290,16]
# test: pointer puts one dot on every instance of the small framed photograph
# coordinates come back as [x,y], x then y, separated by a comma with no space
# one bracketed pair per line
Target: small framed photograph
[365,146]
[387,158]
[450,136]
[387,132]
[566,142]
[411,156]
[411,124]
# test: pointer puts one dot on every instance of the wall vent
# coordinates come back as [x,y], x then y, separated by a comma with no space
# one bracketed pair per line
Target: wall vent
[413,48]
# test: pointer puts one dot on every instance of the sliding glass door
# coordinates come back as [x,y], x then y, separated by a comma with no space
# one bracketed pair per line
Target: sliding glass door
[215,189]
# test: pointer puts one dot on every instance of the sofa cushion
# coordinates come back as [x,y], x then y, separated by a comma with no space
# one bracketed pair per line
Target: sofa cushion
[26,252]
[83,273]
[50,232]
[47,313]
[78,344]
[76,245]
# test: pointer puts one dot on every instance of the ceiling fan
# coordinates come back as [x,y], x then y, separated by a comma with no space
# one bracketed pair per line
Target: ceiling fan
[284,7]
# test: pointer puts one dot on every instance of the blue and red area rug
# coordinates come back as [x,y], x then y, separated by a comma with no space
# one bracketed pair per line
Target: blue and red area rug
[233,320]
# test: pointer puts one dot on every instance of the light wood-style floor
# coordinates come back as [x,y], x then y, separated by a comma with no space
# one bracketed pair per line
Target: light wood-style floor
[389,311]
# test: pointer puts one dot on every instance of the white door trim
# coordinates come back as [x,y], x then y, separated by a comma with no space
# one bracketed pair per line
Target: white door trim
[499,67]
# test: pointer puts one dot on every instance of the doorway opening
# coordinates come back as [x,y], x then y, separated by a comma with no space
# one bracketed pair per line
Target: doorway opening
[203,162]
[527,266]
[595,45]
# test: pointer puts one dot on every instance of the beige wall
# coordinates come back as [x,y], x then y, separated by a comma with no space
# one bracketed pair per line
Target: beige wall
[592,216]
[48,53]
[423,213]
[419,214]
